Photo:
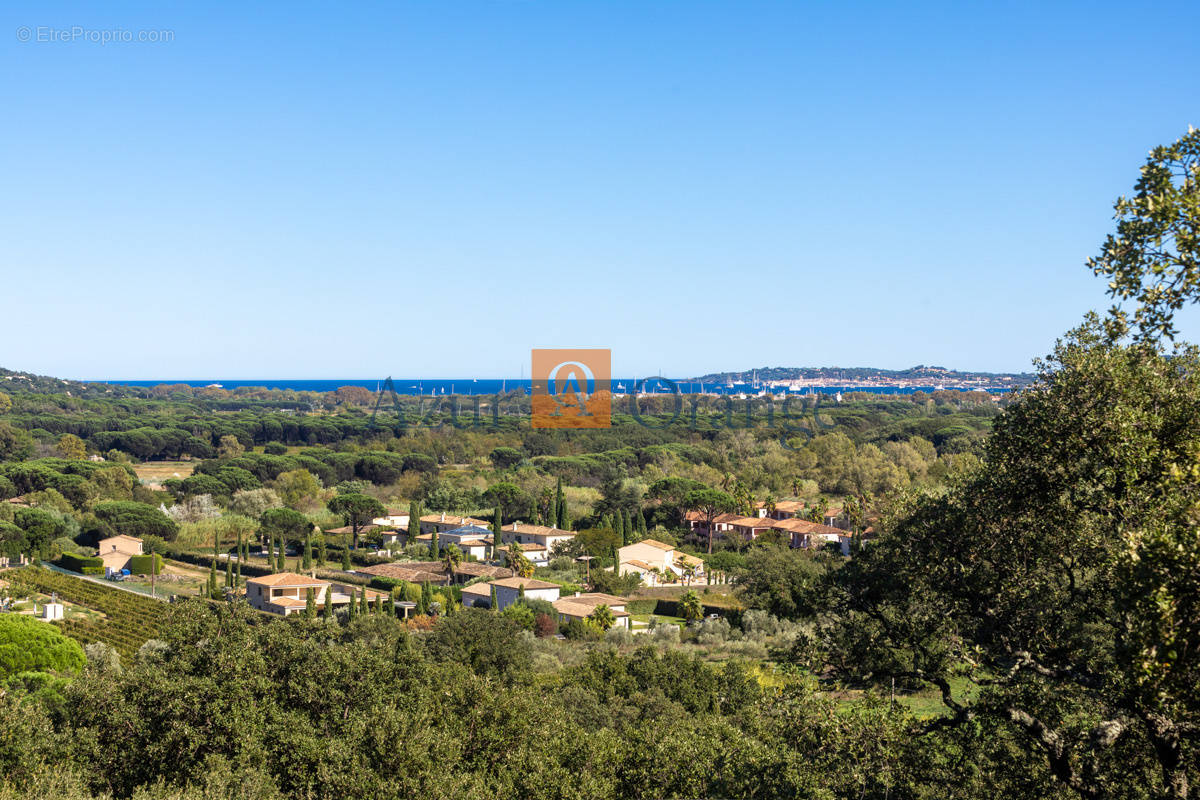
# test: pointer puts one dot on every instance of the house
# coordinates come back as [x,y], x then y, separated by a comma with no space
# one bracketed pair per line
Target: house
[445,522]
[748,528]
[286,593]
[117,551]
[536,553]
[784,509]
[473,540]
[657,563]
[510,590]
[433,572]
[581,606]
[477,594]
[394,518]
[809,534]
[525,533]
[696,522]
[470,570]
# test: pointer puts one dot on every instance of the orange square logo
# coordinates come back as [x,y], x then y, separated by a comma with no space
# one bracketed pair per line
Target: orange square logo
[572,388]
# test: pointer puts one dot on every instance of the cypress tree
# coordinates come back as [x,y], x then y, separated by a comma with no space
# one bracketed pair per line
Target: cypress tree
[426,598]
[346,559]
[229,573]
[606,523]
[310,605]
[617,527]
[495,600]
[497,529]
[365,608]
[321,551]
[352,606]
[212,580]
[559,503]
[240,544]
[279,565]
[627,526]
[433,546]
[328,602]
[641,523]
[379,604]
[414,523]
[216,542]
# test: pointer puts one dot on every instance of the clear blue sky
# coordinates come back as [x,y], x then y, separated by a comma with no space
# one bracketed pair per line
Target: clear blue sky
[428,188]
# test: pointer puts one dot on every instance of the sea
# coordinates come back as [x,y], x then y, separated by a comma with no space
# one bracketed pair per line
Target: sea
[492,386]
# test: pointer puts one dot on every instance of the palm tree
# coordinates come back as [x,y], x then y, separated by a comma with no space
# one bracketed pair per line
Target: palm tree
[452,557]
[603,616]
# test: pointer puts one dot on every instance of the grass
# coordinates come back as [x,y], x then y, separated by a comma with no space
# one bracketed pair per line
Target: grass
[158,471]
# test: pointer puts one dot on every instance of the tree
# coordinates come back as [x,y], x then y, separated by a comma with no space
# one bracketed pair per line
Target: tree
[517,561]
[357,511]
[414,523]
[497,531]
[433,545]
[1060,576]
[602,615]
[452,557]
[560,507]
[426,598]
[285,523]
[5,403]
[506,457]
[690,607]
[513,501]
[710,503]
[345,559]
[310,605]
[308,553]
[1154,256]
[71,446]
[495,600]
[136,519]
[329,602]
[29,645]
[229,447]
[489,644]
[297,488]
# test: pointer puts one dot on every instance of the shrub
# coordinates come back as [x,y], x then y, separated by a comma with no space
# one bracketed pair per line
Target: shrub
[144,565]
[275,449]
[28,645]
[544,626]
[78,563]
[583,630]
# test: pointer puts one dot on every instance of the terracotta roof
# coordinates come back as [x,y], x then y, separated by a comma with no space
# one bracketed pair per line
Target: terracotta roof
[470,542]
[752,522]
[484,589]
[349,529]
[287,579]
[528,583]
[595,599]
[535,530]
[476,569]
[639,564]
[287,601]
[655,544]
[413,572]
[571,608]
[527,547]
[689,559]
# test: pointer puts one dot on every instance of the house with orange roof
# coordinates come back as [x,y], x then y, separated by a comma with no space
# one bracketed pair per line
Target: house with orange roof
[657,563]
[286,593]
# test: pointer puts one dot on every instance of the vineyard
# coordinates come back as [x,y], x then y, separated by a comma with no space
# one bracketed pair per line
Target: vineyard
[129,620]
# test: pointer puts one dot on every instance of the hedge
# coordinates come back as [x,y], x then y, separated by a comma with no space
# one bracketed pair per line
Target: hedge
[143,565]
[93,571]
[205,560]
[77,563]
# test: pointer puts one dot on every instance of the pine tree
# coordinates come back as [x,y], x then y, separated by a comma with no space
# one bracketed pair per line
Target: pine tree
[310,605]
[308,562]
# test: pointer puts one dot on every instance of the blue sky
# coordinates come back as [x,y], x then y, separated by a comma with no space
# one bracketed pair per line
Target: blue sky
[320,190]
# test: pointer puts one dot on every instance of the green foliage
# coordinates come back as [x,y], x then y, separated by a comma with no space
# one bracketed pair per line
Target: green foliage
[145,564]
[77,563]
[27,645]
[135,519]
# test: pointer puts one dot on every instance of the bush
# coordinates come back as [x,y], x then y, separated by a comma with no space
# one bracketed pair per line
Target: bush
[275,449]
[28,645]
[544,626]
[583,630]
[619,635]
[92,571]
[144,565]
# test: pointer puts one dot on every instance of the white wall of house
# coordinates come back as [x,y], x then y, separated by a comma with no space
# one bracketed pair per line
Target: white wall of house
[507,596]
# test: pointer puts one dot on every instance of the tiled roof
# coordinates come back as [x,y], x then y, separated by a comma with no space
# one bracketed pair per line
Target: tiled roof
[528,583]
[287,579]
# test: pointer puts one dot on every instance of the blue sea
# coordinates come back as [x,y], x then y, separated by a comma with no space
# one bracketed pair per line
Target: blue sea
[491,386]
